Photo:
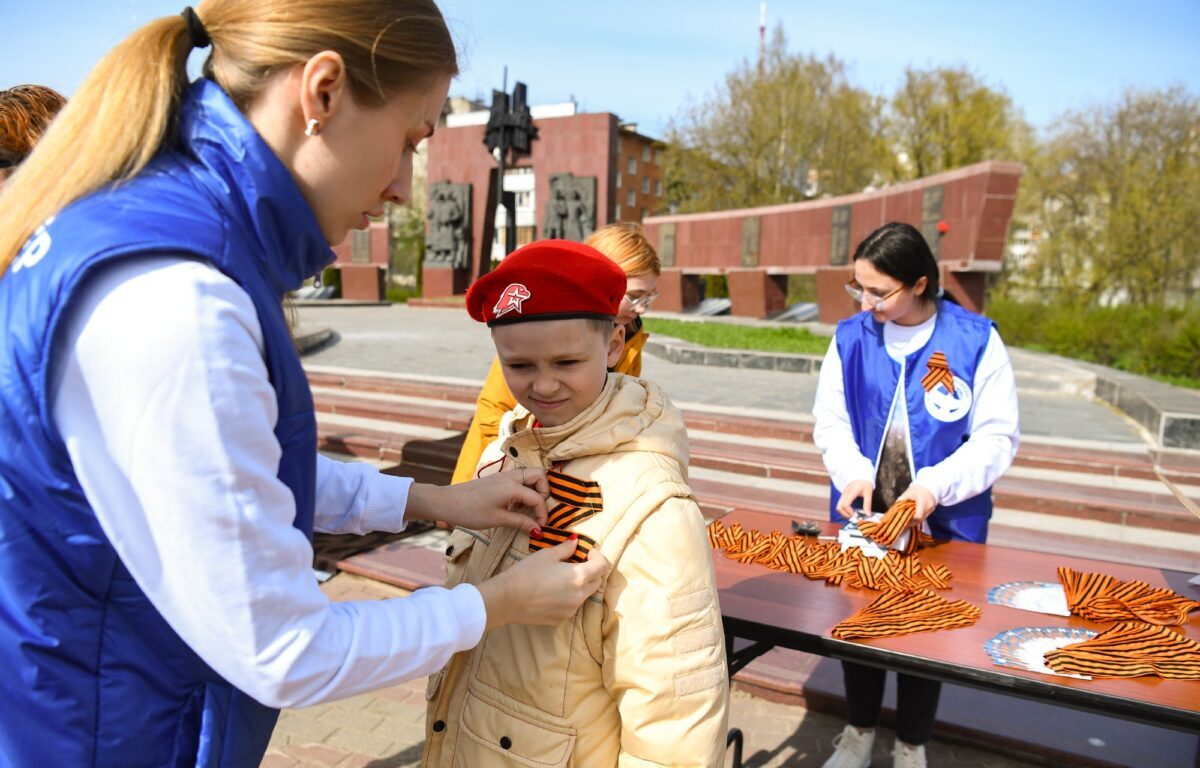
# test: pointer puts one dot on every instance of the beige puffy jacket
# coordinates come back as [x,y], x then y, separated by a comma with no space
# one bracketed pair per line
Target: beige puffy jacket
[638,676]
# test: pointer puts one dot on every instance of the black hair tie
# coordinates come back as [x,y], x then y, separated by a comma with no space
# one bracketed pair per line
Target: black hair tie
[195,27]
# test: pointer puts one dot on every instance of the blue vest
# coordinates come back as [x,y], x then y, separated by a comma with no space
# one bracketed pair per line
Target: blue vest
[938,421]
[92,673]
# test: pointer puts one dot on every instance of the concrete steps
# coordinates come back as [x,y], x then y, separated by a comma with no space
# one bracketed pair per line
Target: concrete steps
[1102,501]
[1119,460]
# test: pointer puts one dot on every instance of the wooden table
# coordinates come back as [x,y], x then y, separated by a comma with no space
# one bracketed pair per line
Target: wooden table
[771,608]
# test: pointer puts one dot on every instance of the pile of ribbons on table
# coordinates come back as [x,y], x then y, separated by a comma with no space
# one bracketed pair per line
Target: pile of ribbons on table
[1140,642]
[908,603]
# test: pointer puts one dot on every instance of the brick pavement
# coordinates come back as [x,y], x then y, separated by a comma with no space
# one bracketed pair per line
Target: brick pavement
[385,729]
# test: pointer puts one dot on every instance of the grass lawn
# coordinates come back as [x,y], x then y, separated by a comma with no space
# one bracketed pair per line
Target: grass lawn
[1187,382]
[726,336]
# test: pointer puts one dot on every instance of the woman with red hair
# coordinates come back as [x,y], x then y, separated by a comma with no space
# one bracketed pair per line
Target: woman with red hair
[25,111]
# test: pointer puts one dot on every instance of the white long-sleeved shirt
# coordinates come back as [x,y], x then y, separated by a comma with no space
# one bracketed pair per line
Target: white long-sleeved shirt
[973,468]
[163,400]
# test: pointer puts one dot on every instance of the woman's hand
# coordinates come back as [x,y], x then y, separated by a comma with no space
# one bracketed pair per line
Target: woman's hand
[922,498]
[542,588]
[515,499]
[859,489]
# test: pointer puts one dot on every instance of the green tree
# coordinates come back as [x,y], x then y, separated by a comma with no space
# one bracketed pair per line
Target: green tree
[944,118]
[1116,188]
[757,139]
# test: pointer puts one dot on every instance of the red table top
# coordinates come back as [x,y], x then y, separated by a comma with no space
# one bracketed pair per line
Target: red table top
[790,609]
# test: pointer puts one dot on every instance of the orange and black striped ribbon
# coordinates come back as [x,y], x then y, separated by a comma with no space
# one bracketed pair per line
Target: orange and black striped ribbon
[1130,649]
[566,516]
[825,560]
[904,612]
[578,493]
[555,536]
[894,522]
[577,501]
[1102,598]
[939,373]
[885,531]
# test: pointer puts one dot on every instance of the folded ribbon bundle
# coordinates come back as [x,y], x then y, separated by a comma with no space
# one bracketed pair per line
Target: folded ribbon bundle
[1099,597]
[1130,649]
[905,612]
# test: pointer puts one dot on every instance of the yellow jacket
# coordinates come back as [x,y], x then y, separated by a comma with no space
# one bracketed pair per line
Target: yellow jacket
[495,400]
[638,676]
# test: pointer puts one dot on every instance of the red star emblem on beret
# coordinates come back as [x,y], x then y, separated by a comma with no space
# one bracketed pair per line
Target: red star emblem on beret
[510,300]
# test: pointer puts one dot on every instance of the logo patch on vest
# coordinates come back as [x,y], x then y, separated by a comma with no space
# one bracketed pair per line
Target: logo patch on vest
[510,300]
[947,397]
[35,249]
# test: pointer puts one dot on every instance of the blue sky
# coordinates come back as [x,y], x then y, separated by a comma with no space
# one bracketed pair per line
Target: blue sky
[644,59]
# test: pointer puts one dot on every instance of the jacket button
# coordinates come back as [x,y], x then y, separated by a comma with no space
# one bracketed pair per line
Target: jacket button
[505,742]
[449,550]
[512,450]
[439,726]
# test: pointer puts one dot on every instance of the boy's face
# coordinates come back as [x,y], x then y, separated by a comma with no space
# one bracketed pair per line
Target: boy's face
[556,368]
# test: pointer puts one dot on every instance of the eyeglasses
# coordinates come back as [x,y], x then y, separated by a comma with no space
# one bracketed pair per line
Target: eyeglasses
[643,301]
[859,294]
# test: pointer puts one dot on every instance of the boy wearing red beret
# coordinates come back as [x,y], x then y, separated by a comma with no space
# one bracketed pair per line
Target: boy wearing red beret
[638,677]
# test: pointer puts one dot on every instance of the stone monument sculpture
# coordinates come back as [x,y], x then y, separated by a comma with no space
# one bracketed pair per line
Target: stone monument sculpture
[448,242]
[571,209]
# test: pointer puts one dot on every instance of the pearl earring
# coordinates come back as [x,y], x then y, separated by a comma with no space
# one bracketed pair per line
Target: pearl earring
[313,128]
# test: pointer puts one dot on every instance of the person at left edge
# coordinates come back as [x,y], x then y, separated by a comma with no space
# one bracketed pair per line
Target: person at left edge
[25,112]
[158,467]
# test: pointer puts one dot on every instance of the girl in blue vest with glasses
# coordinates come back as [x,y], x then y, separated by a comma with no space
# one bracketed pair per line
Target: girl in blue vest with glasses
[916,400]
[159,478]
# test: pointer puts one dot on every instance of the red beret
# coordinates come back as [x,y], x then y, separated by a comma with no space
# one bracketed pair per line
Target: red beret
[548,280]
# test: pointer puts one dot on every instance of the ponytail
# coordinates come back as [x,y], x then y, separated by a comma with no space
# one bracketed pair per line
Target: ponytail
[126,110]
[122,115]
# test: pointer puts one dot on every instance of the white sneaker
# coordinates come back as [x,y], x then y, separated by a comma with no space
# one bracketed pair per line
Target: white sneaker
[906,755]
[852,748]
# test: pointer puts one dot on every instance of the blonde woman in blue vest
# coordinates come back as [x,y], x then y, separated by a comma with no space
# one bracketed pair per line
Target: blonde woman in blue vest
[896,420]
[159,477]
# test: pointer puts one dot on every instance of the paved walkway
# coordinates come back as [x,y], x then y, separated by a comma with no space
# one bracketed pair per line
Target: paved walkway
[386,728]
[447,343]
